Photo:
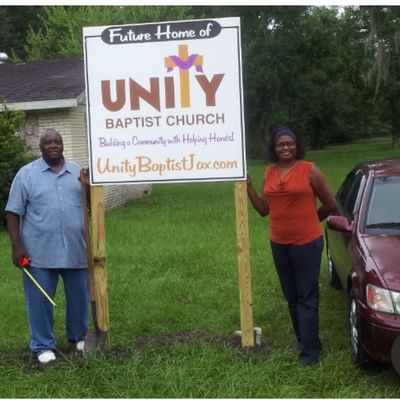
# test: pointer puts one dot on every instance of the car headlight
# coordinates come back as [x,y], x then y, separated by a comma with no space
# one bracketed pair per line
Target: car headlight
[385,300]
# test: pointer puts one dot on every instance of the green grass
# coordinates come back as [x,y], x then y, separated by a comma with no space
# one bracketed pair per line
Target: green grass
[172,270]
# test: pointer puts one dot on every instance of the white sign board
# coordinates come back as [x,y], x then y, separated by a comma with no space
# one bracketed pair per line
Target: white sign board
[165,102]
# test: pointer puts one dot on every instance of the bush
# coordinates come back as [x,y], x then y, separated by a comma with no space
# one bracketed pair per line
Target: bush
[12,153]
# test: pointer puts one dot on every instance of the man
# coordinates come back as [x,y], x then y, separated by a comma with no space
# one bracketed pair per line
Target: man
[45,224]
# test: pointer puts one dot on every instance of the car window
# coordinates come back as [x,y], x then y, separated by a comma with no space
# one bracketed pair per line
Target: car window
[353,195]
[383,210]
[344,189]
[349,193]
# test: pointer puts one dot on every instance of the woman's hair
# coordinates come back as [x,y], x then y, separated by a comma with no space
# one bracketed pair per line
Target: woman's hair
[271,151]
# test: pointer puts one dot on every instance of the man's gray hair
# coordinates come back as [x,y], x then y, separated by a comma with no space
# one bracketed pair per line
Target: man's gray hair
[47,131]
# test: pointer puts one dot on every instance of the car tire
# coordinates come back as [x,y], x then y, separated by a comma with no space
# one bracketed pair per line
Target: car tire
[333,278]
[359,356]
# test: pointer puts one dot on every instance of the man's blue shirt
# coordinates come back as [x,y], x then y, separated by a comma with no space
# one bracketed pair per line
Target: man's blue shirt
[50,206]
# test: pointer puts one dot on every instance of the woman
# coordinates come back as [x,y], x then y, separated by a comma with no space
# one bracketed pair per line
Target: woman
[289,192]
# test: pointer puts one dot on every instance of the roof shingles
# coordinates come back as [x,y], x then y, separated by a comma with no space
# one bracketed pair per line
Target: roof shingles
[42,80]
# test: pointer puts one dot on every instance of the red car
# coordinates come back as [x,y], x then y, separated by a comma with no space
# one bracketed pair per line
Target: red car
[363,258]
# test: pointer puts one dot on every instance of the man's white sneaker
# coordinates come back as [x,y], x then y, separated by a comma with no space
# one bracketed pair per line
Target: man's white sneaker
[80,346]
[46,357]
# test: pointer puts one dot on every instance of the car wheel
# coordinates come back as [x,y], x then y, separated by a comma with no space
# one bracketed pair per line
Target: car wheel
[333,278]
[358,354]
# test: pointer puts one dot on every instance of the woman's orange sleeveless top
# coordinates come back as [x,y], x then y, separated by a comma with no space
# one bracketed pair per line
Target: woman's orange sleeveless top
[292,205]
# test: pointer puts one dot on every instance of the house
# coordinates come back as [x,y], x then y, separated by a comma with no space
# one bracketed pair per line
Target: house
[52,95]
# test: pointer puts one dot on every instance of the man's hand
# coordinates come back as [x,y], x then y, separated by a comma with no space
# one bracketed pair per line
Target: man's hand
[85,181]
[17,254]
[84,176]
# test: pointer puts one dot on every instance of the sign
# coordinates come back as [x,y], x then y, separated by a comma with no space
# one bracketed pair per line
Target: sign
[165,102]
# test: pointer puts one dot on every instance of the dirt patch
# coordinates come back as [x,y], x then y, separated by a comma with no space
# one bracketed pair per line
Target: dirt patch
[165,342]
[170,339]
[25,358]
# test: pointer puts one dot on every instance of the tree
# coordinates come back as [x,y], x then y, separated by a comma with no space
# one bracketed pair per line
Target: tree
[263,41]
[383,62]
[12,152]
[297,73]
[302,65]
[61,34]
[329,103]
[16,22]
[304,70]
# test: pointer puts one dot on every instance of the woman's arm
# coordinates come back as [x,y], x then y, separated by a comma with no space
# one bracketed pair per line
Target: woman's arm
[257,201]
[323,192]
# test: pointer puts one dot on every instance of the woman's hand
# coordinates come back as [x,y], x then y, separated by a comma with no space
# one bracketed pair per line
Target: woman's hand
[249,181]
[257,201]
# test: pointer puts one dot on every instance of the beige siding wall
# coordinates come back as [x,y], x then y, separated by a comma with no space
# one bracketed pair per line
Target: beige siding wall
[77,149]
[71,123]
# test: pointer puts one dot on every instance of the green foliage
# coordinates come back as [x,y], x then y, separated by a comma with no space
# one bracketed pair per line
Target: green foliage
[303,66]
[12,152]
[382,64]
[303,72]
[16,22]
[61,35]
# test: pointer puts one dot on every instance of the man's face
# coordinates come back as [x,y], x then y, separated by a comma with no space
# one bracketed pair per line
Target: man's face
[52,147]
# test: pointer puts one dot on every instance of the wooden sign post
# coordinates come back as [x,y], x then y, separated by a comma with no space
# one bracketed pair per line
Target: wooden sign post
[243,254]
[98,242]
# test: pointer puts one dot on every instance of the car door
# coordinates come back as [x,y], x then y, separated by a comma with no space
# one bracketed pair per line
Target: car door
[348,201]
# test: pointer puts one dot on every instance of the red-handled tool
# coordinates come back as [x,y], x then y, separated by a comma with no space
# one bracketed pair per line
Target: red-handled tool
[25,263]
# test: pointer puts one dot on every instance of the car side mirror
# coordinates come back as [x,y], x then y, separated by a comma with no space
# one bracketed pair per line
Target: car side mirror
[339,223]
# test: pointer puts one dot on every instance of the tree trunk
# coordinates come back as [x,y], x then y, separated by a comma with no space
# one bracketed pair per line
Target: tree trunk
[395,140]
[395,114]
[316,134]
